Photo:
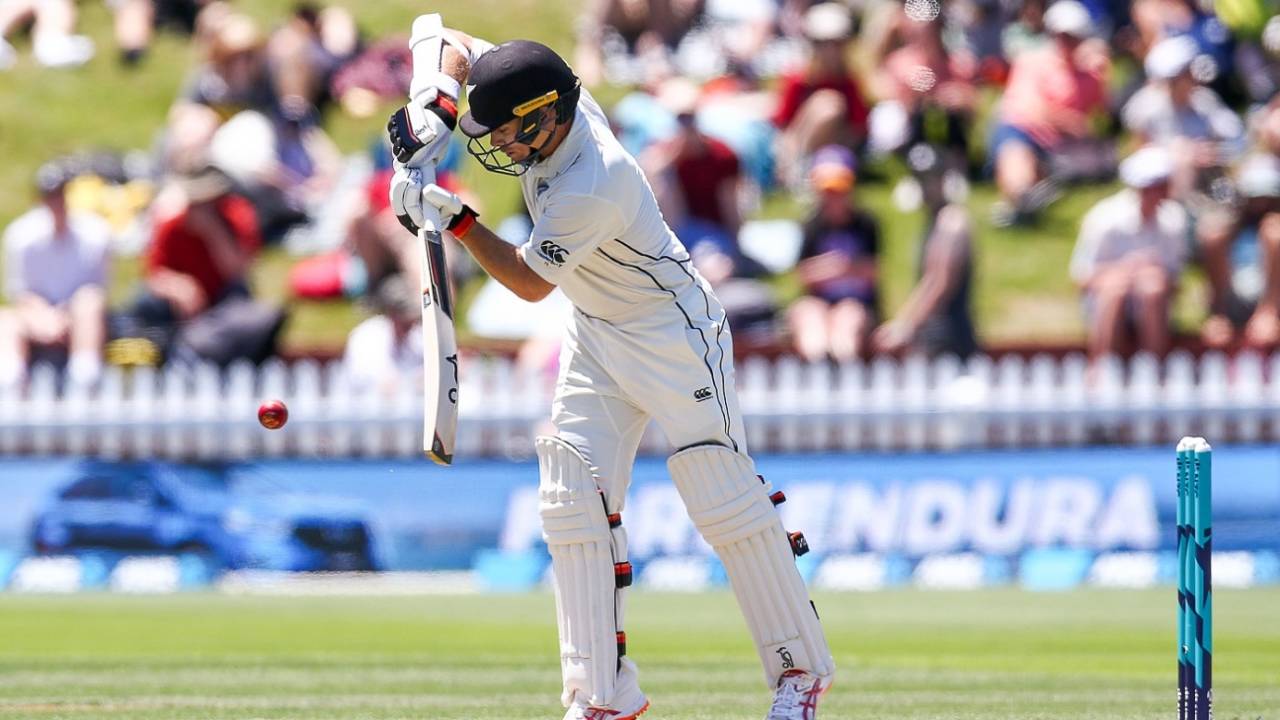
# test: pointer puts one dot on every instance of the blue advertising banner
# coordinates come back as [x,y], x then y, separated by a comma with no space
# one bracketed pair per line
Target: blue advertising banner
[406,515]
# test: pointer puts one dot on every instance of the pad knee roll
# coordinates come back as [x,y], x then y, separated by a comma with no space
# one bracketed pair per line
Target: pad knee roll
[734,511]
[588,547]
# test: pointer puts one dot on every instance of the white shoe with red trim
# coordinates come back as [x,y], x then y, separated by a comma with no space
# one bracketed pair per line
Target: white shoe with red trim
[598,713]
[796,697]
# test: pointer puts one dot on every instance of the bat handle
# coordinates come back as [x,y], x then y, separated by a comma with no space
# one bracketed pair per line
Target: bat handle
[431,223]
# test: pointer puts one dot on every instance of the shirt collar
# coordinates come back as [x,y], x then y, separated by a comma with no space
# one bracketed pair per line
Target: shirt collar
[568,151]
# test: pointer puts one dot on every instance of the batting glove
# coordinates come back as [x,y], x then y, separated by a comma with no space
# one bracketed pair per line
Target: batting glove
[410,193]
[406,197]
[457,216]
[420,131]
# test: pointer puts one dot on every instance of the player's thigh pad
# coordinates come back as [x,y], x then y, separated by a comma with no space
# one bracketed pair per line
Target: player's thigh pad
[588,556]
[730,506]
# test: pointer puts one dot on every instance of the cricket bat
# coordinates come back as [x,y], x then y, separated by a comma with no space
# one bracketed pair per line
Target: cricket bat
[439,345]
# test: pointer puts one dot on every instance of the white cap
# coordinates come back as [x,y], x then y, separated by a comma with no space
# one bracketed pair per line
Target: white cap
[1068,17]
[828,21]
[1146,167]
[1170,57]
[1259,176]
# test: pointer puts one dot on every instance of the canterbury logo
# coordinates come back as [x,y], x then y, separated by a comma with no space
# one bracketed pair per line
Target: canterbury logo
[785,654]
[702,394]
[553,253]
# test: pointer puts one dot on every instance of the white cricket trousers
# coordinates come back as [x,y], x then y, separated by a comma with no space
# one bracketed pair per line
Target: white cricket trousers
[674,365]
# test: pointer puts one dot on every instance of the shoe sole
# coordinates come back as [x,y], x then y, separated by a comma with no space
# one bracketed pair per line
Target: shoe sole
[636,714]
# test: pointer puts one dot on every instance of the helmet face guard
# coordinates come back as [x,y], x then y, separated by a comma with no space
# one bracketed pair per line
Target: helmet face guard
[532,124]
[488,155]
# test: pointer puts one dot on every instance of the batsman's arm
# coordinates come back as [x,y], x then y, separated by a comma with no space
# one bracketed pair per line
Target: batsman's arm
[504,263]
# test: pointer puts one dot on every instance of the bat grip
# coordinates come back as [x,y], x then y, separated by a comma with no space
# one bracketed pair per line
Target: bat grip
[431,222]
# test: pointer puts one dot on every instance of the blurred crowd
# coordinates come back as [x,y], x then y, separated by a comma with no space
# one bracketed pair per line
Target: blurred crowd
[726,104]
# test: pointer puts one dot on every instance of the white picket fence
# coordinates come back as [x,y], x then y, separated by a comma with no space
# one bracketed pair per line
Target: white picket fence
[789,406]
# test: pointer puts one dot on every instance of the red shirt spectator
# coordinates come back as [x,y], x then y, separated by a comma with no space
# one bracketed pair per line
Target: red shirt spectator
[1050,94]
[796,87]
[923,70]
[702,176]
[179,245]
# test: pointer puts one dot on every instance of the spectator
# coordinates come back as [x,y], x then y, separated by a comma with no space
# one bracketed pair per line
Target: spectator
[306,51]
[196,271]
[233,75]
[644,29]
[697,180]
[1155,20]
[936,93]
[231,115]
[1256,32]
[1172,109]
[56,265]
[1026,32]
[1047,104]
[1131,249]
[231,78]
[974,34]
[53,39]
[378,75]
[1241,257]
[385,351]
[837,266]
[136,21]
[937,317]
[821,103]
[879,28]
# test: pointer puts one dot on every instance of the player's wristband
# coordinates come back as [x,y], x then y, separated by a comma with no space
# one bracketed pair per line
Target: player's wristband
[462,223]
[446,109]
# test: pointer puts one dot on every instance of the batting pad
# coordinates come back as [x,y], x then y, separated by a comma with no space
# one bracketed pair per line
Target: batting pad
[588,556]
[730,506]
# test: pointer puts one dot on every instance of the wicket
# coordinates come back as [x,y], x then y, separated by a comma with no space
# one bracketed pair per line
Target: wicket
[1195,586]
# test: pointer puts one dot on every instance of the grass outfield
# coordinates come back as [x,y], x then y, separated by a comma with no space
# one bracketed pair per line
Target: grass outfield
[902,655]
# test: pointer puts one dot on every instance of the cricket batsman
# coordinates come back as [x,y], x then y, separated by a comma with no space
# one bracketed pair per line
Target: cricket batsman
[647,339]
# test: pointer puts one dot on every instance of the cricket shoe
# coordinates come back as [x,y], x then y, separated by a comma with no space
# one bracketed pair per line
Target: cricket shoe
[577,712]
[796,697]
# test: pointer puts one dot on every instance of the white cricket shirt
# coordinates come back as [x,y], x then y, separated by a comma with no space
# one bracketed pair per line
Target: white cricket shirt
[54,268]
[1114,228]
[597,231]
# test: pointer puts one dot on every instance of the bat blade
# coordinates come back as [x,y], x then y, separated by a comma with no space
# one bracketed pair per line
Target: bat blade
[439,352]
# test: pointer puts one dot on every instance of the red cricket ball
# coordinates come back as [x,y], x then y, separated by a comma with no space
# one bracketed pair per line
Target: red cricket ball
[273,414]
